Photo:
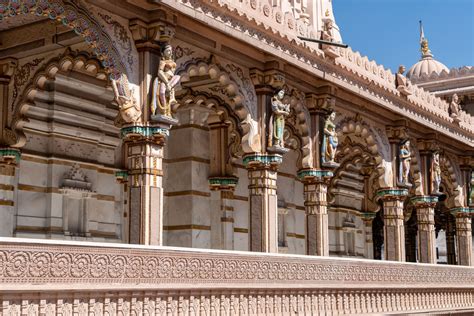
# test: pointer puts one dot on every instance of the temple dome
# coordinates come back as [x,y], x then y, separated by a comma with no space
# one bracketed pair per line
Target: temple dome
[426,67]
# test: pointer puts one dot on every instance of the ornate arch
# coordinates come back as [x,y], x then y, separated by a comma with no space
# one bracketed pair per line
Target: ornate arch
[71,14]
[450,174]
[68,62]
[209,77]
[354,131]
[299,119]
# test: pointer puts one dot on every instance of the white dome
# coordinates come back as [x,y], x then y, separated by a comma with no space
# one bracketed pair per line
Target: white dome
[426,67]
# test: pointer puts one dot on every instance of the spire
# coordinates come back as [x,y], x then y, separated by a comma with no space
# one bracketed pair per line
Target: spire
[425,50]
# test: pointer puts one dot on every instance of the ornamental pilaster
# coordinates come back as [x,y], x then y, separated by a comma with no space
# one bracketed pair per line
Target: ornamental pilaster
[7,69]
[144,158]
[467,172]
[368,219]
[319,104]
[315,201]
[394,231]
[463,235]
[396,134]
[425,209]
[149,39]
[262,173]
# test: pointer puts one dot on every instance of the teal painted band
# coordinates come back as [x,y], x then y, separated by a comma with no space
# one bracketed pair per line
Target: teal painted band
[463,210]
[263,159]
[121,174]
[395,192]
[369,215]
[145,131]
[424,199]
[224,181]
[314,173]
[9,152]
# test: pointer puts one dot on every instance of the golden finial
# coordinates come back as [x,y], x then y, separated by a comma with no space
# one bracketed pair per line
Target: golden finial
[327,13]
[425,50]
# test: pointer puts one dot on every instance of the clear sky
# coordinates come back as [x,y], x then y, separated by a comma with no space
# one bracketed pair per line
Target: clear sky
[387,31]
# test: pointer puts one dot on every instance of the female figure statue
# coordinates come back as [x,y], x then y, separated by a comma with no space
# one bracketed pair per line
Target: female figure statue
[401,82]
[164,83]
[435,173]
[405,158]
[330,140]
[277,119]
[454,106]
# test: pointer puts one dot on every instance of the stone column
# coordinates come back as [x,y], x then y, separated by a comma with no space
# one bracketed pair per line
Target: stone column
[262,173]
[315,201]
[394,230]
[451,239]
[9,157]
[368,218]
[144,154]
[122,178]
[425,208]
[463,235]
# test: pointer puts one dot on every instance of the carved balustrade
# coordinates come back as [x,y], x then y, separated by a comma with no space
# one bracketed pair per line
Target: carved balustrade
[52,277]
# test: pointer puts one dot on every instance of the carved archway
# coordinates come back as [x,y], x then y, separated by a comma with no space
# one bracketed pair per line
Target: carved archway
[73,15]
[450,175]
[78,62]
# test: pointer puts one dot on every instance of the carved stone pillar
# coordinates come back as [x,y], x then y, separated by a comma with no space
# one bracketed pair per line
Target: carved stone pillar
[147,37]
[122,178]
[144,154]
[222,184]
[463,235]
[315,202]
[425,208]
[262,173]
[9,157]
[368,218]
[451,239]
[394,230]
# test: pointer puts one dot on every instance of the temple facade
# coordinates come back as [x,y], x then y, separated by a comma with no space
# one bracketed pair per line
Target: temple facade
[194,142]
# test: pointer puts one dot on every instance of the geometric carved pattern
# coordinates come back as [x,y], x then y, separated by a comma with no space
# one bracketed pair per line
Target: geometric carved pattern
[160,281]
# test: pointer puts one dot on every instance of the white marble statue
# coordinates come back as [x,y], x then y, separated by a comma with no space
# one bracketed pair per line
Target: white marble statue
[404,156]
[435,173]
[455,107]
[330,140]
[401,82]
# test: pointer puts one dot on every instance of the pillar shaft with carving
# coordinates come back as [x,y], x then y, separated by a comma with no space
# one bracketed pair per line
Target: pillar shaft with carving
[262,173]
[394,230]
[463,235]
[315,201]
[368,219]
[425,209]
[144,153]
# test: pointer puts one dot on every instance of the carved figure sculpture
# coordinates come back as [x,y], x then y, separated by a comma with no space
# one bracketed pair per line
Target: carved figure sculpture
[277,119]
[330,140]
[454,106]
[405,159]
[435,173]
[401,82]
[130,110]
[165,83]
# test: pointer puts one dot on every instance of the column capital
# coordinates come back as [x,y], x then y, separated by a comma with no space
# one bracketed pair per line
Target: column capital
[390,194]
[262,161]
[424,201]
[466,162]
[461,211]
[314,175]
[271,79]
[223,183]
[155,134]
[321,101]
[121,176]
[427,146]
[7,68]
[149,35]
[368,216]
[397,133]
[10,156]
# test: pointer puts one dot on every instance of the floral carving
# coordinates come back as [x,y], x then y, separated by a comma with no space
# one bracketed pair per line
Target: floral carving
[22,75]
[121,33]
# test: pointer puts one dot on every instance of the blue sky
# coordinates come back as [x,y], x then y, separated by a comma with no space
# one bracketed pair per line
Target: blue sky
[387,31]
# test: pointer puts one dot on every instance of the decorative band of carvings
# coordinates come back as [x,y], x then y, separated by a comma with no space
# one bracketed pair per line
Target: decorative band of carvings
[460,211]
[266,160]
[392,193]
[144,131]
[314,173]
[220,183]
[10,154]
[424,200]
[30,262]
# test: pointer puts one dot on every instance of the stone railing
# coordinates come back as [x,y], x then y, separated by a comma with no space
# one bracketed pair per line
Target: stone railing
[53,277]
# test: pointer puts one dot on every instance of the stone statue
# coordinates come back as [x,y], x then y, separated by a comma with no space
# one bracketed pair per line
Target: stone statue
[277,120]
[328,34]
[455,107]
[401,82]
[404,156]
[435,173]
[330,141]
[165,83]
[130,110]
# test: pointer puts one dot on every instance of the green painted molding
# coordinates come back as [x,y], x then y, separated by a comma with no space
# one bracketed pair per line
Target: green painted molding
[145,131]
[11,152]
[265,159]
[314,173]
